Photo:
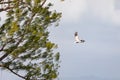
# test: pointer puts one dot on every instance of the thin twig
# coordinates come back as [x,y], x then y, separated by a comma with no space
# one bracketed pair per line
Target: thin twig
[15,73]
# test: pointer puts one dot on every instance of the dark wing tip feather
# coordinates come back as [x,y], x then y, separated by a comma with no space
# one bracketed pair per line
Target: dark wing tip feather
[82,40]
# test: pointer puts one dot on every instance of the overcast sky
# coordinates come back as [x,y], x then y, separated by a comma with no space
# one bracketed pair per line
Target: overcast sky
[96,21]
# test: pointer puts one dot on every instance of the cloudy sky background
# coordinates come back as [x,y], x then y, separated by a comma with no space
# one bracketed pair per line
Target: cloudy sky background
[96,21]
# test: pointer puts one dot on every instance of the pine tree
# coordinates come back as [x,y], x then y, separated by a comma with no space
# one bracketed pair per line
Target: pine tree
[24,43]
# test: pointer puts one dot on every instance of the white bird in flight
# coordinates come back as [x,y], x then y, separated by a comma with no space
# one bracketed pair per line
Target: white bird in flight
[77,39]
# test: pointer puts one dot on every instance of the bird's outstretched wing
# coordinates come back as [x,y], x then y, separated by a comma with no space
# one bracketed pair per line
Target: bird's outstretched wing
[77,39]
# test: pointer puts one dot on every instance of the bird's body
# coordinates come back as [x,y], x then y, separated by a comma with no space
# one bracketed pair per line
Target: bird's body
[77,39]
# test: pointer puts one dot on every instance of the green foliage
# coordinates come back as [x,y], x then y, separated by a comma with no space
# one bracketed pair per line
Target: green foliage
[24,42]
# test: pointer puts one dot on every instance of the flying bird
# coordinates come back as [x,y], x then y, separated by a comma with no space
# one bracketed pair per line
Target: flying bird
[77,39]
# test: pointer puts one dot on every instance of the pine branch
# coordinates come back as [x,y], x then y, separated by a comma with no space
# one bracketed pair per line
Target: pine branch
[6,54]
[2,47]
[5,9]
[29,21]
[11,70]
[1,0]
[15,73]
[43,2]
[8,2]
